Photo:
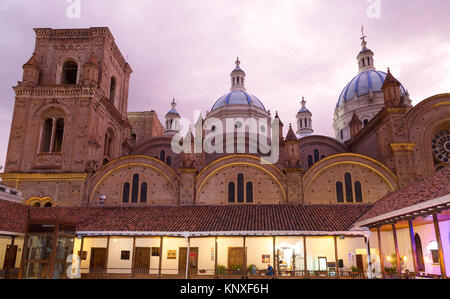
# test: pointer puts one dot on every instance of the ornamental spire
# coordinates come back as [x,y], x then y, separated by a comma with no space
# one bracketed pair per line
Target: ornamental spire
[365,56]
[363,38]
[237,77]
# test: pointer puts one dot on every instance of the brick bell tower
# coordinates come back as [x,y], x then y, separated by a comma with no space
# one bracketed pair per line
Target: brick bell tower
[70,113]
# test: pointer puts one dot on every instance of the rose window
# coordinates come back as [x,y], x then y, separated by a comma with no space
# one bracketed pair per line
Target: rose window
[441,146]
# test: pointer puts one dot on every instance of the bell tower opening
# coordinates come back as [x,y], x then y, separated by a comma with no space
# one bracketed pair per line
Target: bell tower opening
[70,72]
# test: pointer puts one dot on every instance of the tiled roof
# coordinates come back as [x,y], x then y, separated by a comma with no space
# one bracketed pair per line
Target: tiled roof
[13,217]
[208,218]
[291,135]
[434,186]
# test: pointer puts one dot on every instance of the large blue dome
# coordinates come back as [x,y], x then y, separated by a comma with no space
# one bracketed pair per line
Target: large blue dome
[238,97]
[362,84]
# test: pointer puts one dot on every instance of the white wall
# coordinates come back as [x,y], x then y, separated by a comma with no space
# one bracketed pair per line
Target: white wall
[256,248]
[427,236]
[115,263]
[319,247]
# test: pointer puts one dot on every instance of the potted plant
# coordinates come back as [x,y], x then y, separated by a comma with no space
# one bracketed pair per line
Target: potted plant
[252,269]
[221,269]
[236,269]
[356,272]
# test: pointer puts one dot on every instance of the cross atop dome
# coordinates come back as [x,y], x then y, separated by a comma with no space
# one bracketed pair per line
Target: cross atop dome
[363,38]
[238,63]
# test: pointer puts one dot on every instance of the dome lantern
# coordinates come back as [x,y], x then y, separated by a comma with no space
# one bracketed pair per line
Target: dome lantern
[365,57]
[304,121]
[173,119]
[237,77]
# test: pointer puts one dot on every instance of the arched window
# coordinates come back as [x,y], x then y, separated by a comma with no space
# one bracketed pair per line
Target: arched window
[240,187]
[366,121]
[135,188]
[162,156]
[339,192]
[348,187]
[316,156]
[112,90]
[46,135]
[358,191]
[52,136]
[48,205]
[310,161]
[306,122]
[69,72]
[144,187]
[231,192]
[249,191]
[419,253]
[301,123]
[126,192]
[59,135]
[108,144]
[169,161]
[342,134]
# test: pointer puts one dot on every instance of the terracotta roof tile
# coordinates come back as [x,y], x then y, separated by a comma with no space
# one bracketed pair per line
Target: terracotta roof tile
[434,186]
[13,216]
[208,218]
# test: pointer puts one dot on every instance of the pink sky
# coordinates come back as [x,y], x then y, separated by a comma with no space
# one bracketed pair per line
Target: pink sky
[186,49]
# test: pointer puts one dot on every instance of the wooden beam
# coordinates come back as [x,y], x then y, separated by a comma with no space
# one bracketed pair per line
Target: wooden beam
[160,256]
[108,239]
[53,254]
[81,254]
[380,249]
[274,257]
[397,253]
[244,271]
[437,231]
[369,259]
[413,245]
[187,256]
[336,256]
[134,256]
[215,258]
[305,261]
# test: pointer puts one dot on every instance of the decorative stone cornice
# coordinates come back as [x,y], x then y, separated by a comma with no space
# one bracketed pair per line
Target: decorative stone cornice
[187,170]
[403,147]
[55,90]
[297,169]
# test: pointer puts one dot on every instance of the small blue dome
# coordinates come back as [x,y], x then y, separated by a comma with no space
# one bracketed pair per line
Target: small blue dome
[238,97]
[173,112]
[304,110]
[362,84]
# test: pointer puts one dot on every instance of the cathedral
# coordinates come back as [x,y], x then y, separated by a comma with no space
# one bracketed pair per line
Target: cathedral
[125,201]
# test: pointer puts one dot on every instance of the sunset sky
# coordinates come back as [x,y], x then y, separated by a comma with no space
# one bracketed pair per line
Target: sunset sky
[186,49]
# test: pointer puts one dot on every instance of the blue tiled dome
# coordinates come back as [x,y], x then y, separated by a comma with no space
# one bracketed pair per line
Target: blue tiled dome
[172,111]
[362,84]
[304,110]
[238,97]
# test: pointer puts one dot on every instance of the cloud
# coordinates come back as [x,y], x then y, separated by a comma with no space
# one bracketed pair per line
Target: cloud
[289,49]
